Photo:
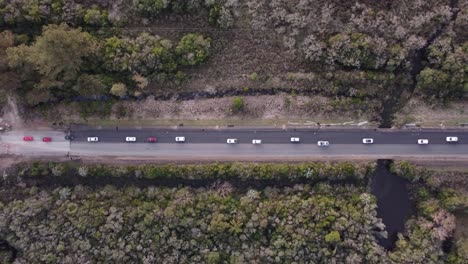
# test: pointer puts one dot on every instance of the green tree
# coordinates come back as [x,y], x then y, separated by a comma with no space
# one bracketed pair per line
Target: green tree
[333,237]
[356,50]
[90,85]
[193,49]
[7,39]
[213,258]
[57,55]
[438,85]
[143,55]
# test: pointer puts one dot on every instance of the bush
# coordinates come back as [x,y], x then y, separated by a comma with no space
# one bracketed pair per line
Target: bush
[238,105]
[95,108]
[214,14]
[406,170]
[39,169]
[452,200]
[227,171]
[95,17]
[119,89]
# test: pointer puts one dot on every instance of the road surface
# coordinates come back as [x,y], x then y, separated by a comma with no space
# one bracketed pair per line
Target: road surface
[211,144]
[271,136]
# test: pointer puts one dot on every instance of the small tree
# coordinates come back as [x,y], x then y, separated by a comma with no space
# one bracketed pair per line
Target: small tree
[193,49]
[119,89]
[238,105]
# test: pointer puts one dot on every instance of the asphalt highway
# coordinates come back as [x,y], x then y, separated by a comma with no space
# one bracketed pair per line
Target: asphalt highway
[270,136]
[203,144]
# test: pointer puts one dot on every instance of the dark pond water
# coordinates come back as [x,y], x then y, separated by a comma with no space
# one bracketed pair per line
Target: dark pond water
[394,205]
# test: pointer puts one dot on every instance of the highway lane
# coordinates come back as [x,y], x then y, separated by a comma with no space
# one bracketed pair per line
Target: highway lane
[270,136]
[267,151]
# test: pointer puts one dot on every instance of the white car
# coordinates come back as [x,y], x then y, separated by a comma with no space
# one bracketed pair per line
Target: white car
[323,143]
[256,141]
[295,140]
[451,139]
[180,139]
[130,139]
[423,141]
[367,140]
[93,139]
[232,140]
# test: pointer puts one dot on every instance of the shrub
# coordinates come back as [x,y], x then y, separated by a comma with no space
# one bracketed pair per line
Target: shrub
[452,200]
[119,89]
[254,76]
[429,207]
[238,105]
[214,14]
[406,170]
[226,171]
[95,17]
[95,108]
[39,169]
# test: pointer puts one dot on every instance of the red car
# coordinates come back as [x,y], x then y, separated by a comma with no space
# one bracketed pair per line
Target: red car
[152,139]
[46,139]
[28,138]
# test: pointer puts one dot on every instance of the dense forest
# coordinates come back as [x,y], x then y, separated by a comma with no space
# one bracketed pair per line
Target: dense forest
[262,213]
[376,54]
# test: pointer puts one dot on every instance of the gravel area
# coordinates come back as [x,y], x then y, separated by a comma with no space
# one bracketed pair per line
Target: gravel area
[256,107]
[416,111]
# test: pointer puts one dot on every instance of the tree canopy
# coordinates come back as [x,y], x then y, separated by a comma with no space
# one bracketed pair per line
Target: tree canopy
[57,55]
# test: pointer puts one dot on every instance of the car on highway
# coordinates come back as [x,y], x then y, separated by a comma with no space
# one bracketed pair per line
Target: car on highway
[69,137]
[323,143]
[423,141]
[130,139]
[295,140]
[367,140]
[451,139]
[256,141]
[28,138]
[232,140]
[46,139]
[93,139]
[152,139]
[180,139]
